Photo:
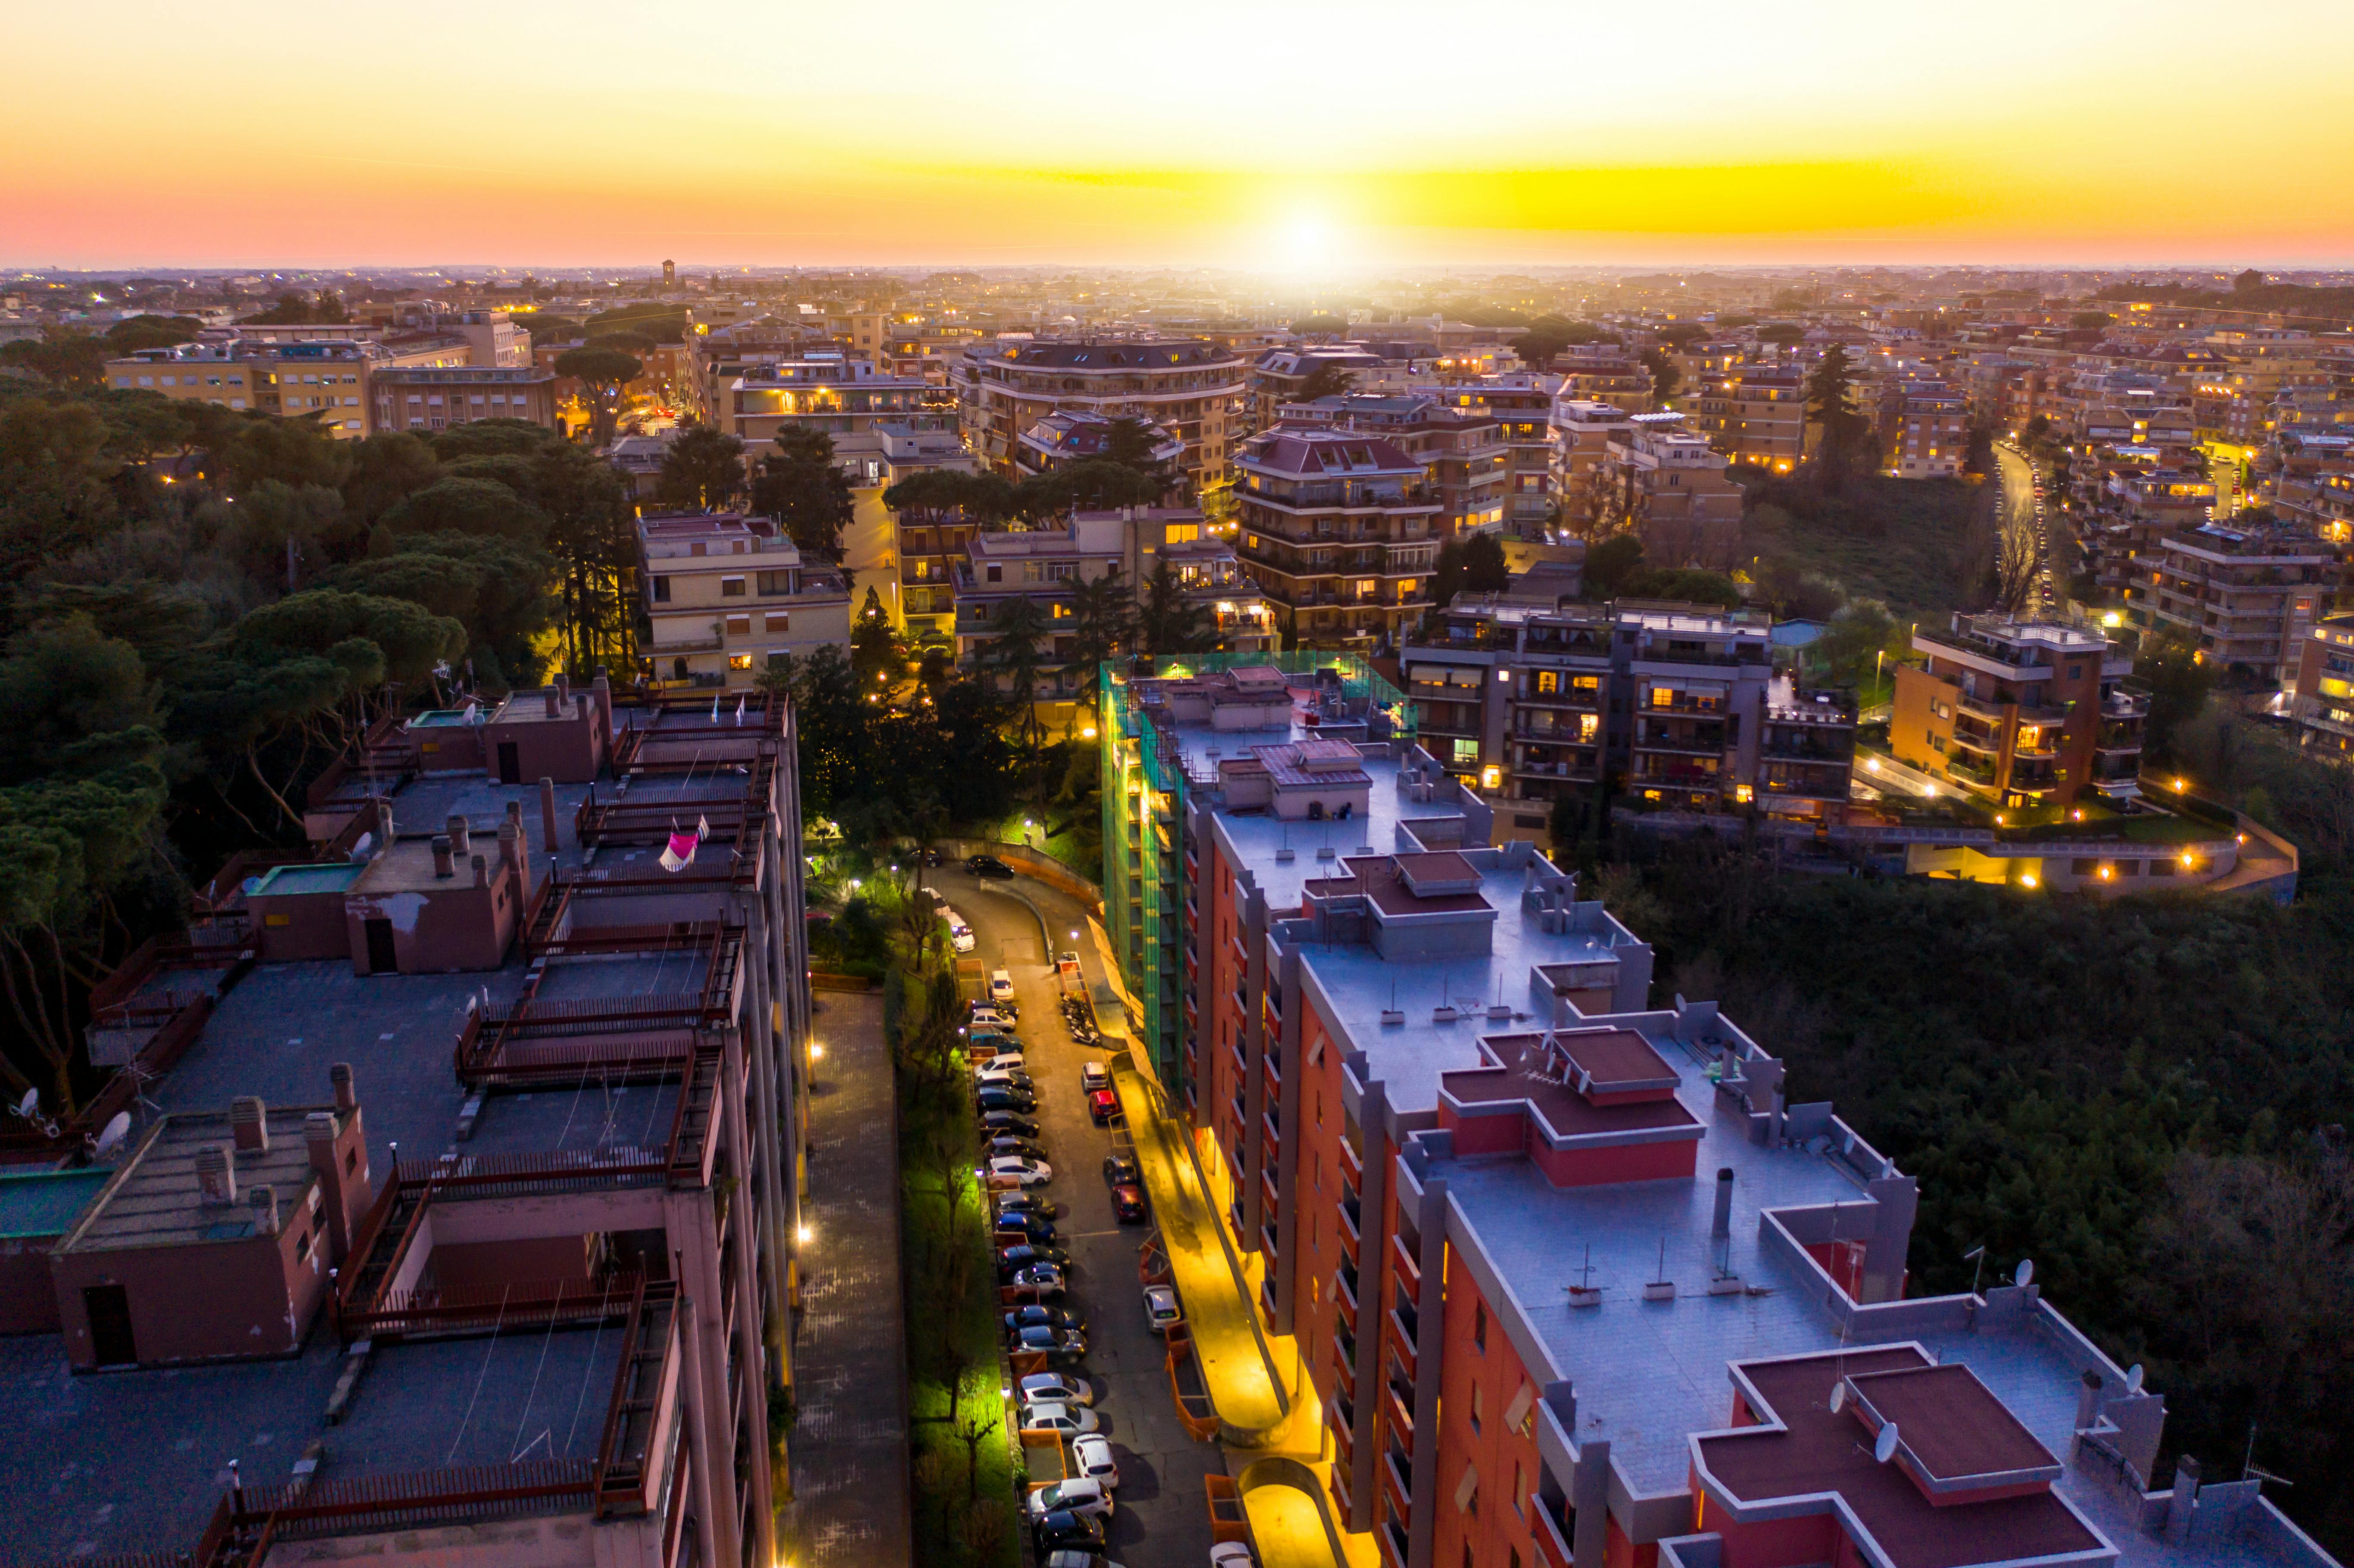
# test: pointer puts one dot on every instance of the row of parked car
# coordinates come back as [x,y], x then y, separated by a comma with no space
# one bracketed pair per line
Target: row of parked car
[1067,1517]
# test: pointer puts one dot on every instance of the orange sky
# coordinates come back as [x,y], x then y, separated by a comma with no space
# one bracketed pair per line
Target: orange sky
[1297,138]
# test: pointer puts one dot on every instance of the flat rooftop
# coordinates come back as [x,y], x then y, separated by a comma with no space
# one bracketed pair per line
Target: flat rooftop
[155,1199]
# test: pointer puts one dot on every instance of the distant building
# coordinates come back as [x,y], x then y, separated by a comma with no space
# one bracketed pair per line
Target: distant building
[421,400]
[1076,435]
[830,393]
[1190,388]
[728,595]
[2021,712]
[1668,485]
[1342,531]
[2323,699]
[2246,598]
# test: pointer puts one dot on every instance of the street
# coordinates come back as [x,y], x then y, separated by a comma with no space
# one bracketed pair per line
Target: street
[2025,525]
[1162,1520]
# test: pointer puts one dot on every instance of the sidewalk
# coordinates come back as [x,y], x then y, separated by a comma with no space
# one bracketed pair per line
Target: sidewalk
[850,1443]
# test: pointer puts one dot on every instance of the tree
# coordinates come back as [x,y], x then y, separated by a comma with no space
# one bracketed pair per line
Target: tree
[1664,375]
[386,468]
[291,308]
[799,486]
[1327,378]
[2253,277]
[74,700]
[460,505]
[1861,639]
[1829,405]
[703,469]
[1091,484]
[2087,321]
[1171,620]
[2179,681]
[602,373]
[1610,563]
[1103,612]
[55,474]
[1129,443]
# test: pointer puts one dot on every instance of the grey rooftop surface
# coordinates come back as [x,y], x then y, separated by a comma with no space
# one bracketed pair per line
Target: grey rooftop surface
[1648,1374]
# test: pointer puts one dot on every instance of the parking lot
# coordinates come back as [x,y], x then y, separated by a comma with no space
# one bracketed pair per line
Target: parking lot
[1161,1520]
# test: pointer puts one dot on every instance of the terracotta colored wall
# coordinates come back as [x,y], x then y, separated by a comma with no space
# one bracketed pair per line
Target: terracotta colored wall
[207,1300]
[299,925]
[450,749]
[568,751]
[1775,1543]
[28,1301]
[1221,974]
[455,926]
[462,1263]
[1317,1233]
[1623,1162]
[1493,1527]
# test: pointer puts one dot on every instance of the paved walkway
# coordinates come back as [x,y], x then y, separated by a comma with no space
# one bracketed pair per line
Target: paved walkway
[850,1441]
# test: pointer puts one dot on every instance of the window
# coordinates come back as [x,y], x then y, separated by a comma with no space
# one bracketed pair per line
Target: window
[996,574]
[739,660]
[1548,683]
[1467,751]
[1478,1337]
[662,591]
[739,626]
[731,587]
[1478,1403]
[778,620]
[774,583]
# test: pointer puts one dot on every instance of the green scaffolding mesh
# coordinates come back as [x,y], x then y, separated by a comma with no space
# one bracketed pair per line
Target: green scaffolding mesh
[1145,871]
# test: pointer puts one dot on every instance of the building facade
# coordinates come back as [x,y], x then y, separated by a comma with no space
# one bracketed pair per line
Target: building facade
[432,399]
[728,595]
[1190,388]
[1341,531]
[2021,712]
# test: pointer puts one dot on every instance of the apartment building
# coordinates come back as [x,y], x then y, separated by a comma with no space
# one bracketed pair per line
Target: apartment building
[728,595]
[830,393]
[2247,597]
[1481,1181]
[1600,374]
[325,379]
[1927,430]
[1048,566]
[1754,414]
[1521,403]
[418,398]
[1581,434]
[1078,435]
[1192,387]
[2323,700]
[1279,375]
[1341,531]
[414,1266]
[1667,483]
[2018,712]
[1462,451]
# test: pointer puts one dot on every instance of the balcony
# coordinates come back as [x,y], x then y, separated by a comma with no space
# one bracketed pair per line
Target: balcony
[1393,1478]
[1409,1273]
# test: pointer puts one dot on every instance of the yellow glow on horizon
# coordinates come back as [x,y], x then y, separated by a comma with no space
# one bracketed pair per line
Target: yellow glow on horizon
[1339,138]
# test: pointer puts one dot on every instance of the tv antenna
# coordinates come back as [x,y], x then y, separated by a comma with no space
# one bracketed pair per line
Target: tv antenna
[117,1128]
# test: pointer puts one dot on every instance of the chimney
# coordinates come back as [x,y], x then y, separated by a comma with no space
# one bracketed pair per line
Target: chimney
[461,836]
[563,688]
[547,813]
[216,1175]
[347,1096]
[510,841]
[2184,1503]
[441,866]
[382,826]
[249,1122]
[555,703]
[262,1199]
[482,872]
[604,687]
[2088,1400]
[1722,1226]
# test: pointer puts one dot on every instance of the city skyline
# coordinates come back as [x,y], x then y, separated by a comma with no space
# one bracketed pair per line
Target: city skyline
[1296,142]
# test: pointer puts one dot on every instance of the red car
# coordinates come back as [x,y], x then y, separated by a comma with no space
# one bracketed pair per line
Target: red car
[1127,1204]
[1103,1105]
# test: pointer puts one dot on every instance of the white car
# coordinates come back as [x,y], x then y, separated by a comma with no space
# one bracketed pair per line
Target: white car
[1232,1554]
[989,1018]
[1091,1457]
[1161,1312]
[1087,1499]
[1094,1075]
[1001,985]
[960,938]
[1069,1420]
[1057,1388]
[1003,1062]
[1012,1171]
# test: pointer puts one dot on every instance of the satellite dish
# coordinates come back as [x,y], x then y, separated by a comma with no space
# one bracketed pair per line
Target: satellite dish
[1883,1448]
[29,1104]
[114,1133]
[2134,1374]
[2024,1275]
[1838,1396]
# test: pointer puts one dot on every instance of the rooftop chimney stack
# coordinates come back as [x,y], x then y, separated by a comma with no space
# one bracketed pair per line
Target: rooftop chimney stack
[382,826]
[262,1199]
[347,1095]
[249,1122]
[547,813]
[216,1175]
[1721,1226]
[511,843]
[2088,1400]
[461,836]
[562,689]
[555,703]
[442,861]
[482,872]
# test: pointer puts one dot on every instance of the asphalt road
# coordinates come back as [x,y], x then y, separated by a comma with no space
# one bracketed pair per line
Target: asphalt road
[2021,514]
[1162,1518]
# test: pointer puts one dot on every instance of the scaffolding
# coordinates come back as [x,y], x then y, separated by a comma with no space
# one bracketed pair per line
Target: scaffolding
[1148,859]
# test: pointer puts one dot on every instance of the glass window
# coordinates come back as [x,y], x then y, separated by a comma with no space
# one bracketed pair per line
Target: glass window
[662,591]
[731,587]
[739,626]
[778,620]
[739,660]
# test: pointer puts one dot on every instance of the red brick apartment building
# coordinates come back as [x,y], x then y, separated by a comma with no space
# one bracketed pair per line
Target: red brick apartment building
[1573,1281]
[2021,712]
[452,1216]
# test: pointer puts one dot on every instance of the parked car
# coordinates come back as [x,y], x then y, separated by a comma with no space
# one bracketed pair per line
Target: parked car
[1232,1554]
[1102,1106]
[1012,1260]
[1078,1560]
[932,857]
[1087,1499]
[1161,1312]
[1091,1456]
[1029,1203]
[1043,1279]
[1013,1170]
[1061,1529]
[1121,1169]
[1127,1204]
[1094,1075]
[1035,1228]
[1056,1388]
[1008,1143]
[1001,1097]
[1045,1318]
[1001,986]
[1002,1078]
[1061,1348]
[1006,1122]
[988,865]
[1067,1419]
[960,936]
[991,1015]
[1002,1062]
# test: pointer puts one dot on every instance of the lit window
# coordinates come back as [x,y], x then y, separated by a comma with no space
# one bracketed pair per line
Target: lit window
[739,660]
